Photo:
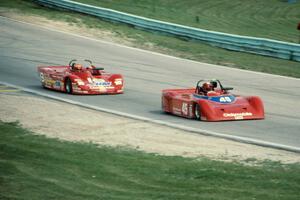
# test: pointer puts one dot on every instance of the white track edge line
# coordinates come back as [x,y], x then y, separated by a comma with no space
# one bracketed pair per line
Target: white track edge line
[160,122]
[147,51]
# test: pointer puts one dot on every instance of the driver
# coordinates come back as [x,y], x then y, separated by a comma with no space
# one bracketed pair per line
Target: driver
[77,67]
[206,88]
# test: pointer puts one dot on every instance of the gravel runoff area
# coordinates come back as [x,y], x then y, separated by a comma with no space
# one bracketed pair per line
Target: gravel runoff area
[56,119]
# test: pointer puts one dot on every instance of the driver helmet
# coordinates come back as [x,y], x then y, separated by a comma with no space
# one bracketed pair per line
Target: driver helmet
[207,86]
[77,67]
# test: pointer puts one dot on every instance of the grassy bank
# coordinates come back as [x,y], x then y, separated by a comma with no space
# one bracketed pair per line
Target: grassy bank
[34,167]
[165,44]
[268,19]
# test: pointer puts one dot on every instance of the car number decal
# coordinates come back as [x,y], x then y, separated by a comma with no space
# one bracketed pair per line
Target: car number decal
[184,108]
[225,99]
[220,99]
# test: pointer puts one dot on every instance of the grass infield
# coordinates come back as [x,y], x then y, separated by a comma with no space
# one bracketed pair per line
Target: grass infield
[272,19]
[34,167]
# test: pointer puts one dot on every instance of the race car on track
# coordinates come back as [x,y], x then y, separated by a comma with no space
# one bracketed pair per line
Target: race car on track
[77,79]
[210,101]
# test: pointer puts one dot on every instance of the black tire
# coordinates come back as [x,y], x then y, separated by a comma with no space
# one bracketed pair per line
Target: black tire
[197,112]
[68,86]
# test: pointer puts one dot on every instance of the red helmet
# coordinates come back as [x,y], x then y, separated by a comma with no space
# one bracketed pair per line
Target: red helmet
[207,86]
[77,67]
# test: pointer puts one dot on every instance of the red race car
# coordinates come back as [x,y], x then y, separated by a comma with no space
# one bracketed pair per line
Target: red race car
[210,101]
[76,79]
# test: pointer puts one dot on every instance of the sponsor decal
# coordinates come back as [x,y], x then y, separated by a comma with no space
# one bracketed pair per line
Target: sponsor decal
[220,99]
[79,81]
[184,108]
[57,84]
[49,81]
[42,77]
[118,81]
[101,82]
[237,115]
[99,88]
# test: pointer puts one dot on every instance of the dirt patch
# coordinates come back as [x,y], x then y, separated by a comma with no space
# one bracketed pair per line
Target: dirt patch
[73,123]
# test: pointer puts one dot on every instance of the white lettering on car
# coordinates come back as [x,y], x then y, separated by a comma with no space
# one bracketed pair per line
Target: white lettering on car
[118,81]
[237,115]
[42,77]
[184,108]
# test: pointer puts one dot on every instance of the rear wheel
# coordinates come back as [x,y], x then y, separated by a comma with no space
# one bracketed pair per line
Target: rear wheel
[68,86]
[197,112]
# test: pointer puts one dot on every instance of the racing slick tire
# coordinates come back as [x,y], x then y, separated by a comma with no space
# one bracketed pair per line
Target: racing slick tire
[197,112]
[68,86]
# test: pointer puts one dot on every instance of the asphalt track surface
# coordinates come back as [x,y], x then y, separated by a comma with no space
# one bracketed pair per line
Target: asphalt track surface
[23,47]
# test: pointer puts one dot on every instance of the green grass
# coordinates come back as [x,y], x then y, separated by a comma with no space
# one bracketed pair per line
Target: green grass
[167,44]
[34,167]
[268,19]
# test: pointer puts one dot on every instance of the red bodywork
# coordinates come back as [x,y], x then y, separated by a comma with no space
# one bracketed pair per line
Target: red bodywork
[218,106]
[85,81]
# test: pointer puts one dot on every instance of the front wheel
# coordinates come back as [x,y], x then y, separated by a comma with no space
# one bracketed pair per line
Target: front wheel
[68,86]
[197,112]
